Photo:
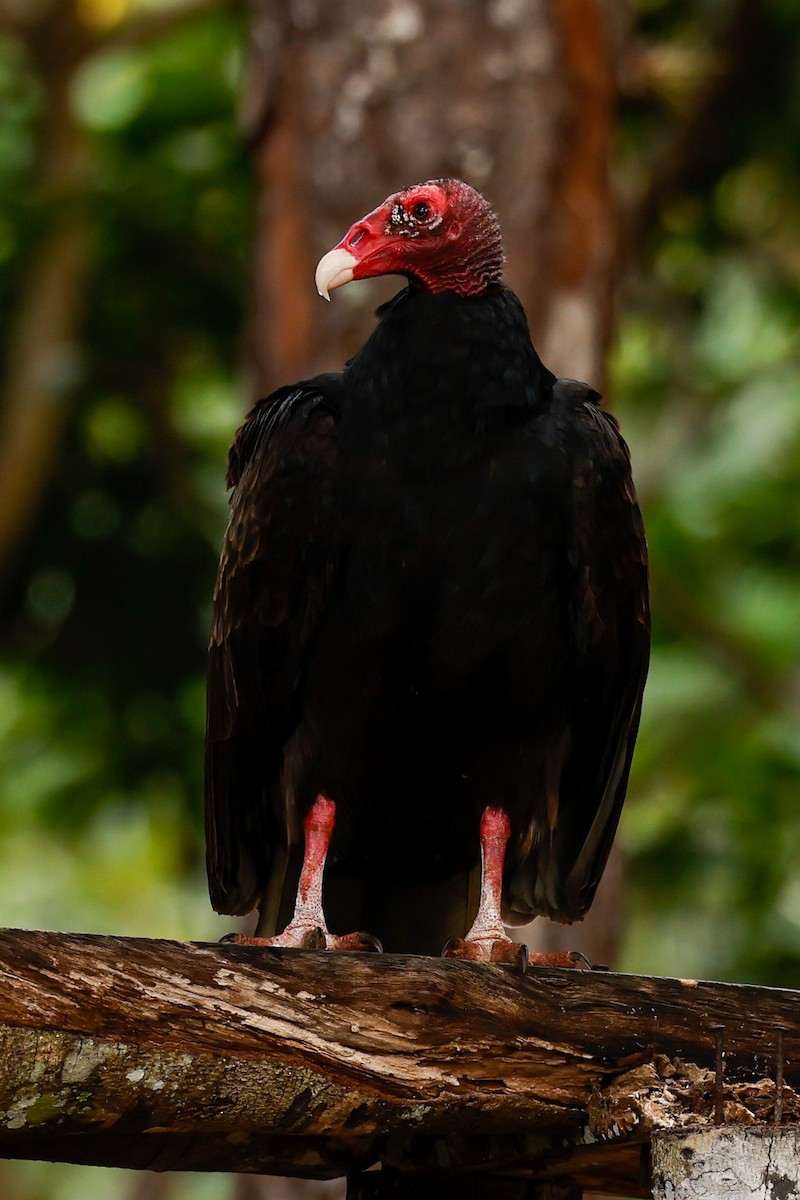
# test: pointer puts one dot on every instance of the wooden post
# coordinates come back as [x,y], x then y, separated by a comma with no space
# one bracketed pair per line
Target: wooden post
[388,1184]
[727,1162]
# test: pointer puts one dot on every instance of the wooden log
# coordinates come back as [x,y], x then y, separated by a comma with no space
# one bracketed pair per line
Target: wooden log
[726,1163]
[393,1185]
[168,1055]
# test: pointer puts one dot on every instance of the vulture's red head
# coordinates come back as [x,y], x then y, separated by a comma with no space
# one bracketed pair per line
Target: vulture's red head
[442,234]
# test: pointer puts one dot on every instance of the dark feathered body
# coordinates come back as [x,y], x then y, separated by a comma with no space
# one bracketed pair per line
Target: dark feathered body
[432,598]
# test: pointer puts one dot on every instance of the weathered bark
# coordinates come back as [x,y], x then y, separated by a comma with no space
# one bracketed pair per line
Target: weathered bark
[177,1056]
[727,1164]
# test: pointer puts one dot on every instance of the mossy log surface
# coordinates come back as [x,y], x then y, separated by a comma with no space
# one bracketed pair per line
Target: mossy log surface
[169,1055]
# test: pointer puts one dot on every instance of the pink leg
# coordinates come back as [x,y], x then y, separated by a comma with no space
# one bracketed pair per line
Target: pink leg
[487,940]
[308,928]
[495,830]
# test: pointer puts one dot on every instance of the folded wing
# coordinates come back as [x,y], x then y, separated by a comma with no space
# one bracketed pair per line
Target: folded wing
[277,564]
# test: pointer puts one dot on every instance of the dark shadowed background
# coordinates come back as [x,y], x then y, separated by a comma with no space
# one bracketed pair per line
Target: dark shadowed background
[170,172]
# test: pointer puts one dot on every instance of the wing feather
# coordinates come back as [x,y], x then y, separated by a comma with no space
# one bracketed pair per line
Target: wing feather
[610,629]
[609,632]
[277,564]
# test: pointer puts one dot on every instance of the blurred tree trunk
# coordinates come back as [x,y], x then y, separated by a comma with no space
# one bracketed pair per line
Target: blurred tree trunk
[43,356]
[344,103]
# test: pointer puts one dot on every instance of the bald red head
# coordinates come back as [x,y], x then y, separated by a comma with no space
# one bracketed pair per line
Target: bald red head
[443,234]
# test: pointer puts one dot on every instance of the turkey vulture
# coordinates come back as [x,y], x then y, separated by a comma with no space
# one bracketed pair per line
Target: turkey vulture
[430,633]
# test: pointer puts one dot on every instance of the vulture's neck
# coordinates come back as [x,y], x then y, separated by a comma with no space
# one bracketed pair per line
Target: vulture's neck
[461,364]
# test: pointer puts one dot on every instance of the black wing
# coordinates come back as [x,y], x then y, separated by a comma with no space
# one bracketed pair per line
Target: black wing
[609,629]
[278,560]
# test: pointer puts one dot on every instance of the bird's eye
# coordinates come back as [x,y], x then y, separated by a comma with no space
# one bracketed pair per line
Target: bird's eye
[421,210]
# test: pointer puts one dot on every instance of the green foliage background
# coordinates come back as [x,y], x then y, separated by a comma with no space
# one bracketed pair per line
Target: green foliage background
[707,381]
[104,619]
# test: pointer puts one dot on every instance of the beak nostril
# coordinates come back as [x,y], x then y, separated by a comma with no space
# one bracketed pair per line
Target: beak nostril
[357,237]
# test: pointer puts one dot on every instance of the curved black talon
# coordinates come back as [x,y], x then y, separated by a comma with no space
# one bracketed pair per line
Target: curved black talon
[227,937]
[587,964]
[448,946]
[524,959]
[578,956]
[374,944]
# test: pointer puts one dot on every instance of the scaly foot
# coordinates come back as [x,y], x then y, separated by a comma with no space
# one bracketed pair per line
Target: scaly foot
[307,929]
[488,949]
[562,958]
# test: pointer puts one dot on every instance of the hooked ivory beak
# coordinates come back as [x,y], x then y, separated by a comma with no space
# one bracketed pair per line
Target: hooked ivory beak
[334,269]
